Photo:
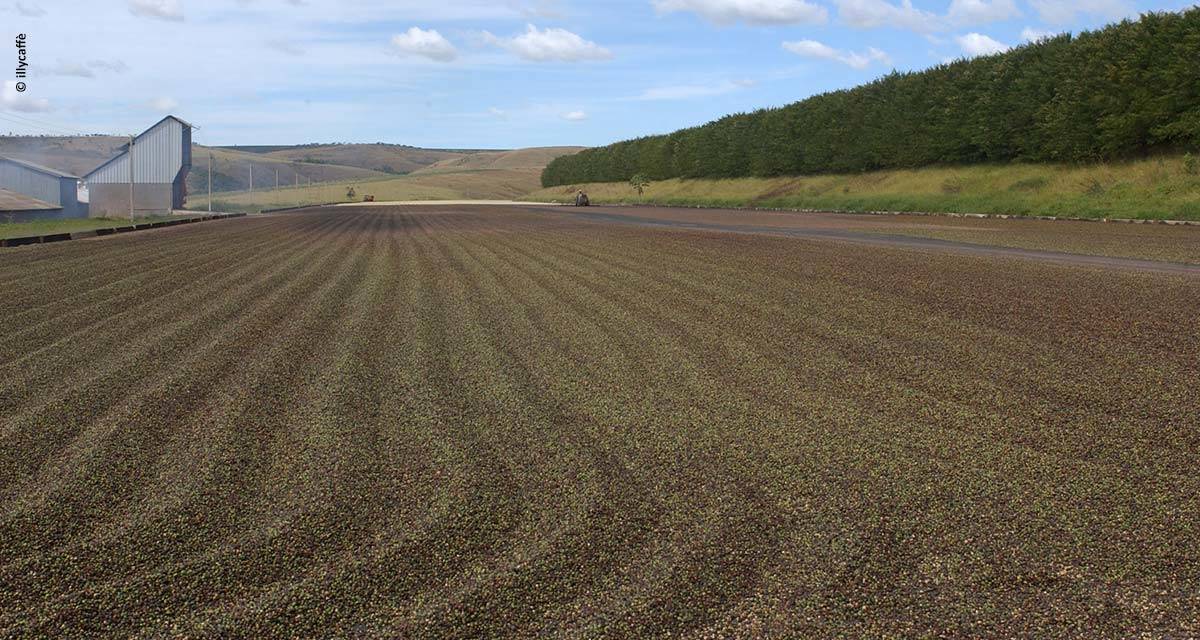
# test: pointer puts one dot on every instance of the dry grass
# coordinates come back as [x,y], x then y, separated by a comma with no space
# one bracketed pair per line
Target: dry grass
[497,184]
[1151,188]
[231,173]
[73,154]
[495,423]
[390,158]
[531,158]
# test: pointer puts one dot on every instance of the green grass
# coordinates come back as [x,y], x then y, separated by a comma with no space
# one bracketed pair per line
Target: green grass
[1153,188]
[43,227]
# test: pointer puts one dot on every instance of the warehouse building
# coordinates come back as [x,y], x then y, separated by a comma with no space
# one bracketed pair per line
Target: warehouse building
[30,191]
[162,157]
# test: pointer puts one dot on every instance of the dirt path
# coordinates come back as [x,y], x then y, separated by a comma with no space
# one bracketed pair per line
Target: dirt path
[864,230]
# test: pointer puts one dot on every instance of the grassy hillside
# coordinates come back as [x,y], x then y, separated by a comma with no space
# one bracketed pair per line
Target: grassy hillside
[533,157]
[383,158]
[1115,93]
[501,184]
[1166,187]
[231,171]
[504,175]
[73,154]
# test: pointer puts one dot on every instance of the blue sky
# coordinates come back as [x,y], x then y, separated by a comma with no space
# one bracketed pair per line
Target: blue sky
[476,73]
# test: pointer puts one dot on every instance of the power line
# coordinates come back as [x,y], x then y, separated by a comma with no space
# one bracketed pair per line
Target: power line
[44,126]
[36,129]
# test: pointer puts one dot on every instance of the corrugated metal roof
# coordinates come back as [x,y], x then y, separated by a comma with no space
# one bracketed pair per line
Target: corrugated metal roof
[125,147]
[37,167]
[13,201]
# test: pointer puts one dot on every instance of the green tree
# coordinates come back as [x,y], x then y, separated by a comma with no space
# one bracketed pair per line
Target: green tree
[639,183]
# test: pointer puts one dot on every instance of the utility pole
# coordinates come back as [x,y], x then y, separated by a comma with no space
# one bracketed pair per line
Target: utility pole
[131,140]
[210,181]
[277,179]
[251,177]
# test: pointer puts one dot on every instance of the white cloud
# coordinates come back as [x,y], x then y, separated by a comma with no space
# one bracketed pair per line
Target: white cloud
[868,14]
[70,69]
[161,9]
[15,100]
[543,9]
[115,66]
[1029,34]
[29,11]
[814,49]
[971,12]
[1064,11]
[575,116]
[497,113]
[689,91]
[429,44]
[759,12]
[977,44]
[811,49]
[88,70]
[162,103]
[871,14]
[550,45]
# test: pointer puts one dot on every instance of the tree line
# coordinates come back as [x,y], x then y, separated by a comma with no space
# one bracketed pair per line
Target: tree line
[1125,90]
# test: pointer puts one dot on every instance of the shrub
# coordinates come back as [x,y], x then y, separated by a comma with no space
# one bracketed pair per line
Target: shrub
[1191,165]
[1093,187]
[639,183]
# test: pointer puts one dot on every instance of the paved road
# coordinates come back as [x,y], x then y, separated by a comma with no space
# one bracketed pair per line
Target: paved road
[655,217]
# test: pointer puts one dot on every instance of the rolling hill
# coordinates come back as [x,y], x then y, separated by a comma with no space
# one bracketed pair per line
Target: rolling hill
[74,154]
[533,157]
[231,171]
[379,157]
[490,175]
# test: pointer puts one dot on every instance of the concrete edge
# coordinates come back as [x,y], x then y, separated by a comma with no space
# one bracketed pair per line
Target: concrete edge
[106,231]
[299,207]
[411,203]
[448,203]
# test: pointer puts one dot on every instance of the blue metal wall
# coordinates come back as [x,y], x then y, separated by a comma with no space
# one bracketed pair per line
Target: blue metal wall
[34,184]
